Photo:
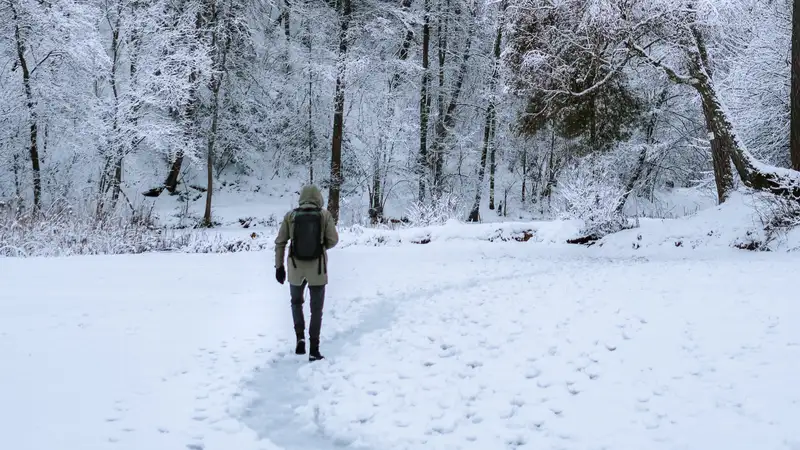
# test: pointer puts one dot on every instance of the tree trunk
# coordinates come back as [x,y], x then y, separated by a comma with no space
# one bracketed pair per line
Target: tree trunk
[424,102]
[171,182]
[402,53]
[524,173]
[441,49]
[446,120]
[116,151]
[752,172]
[32,114]
[721,161]
[795,89]
[287,29]
[216,85]
[635,176]
[338,116]
[492,171]
[474,215]
[312,144]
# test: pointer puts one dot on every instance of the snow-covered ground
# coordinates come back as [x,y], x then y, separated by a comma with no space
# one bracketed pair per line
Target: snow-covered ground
[455,344]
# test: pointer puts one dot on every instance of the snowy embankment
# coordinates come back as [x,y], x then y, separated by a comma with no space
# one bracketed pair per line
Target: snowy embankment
[456,344]
[739,223]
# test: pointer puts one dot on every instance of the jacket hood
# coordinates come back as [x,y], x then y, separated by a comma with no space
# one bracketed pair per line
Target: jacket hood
[310,195]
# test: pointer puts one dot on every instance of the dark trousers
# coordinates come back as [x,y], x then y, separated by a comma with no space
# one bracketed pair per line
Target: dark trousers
[317,302]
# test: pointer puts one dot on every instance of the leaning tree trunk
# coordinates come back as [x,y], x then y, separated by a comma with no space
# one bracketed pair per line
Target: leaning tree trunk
[641,162]
[795,89]
[635,176]
[720,159]
[31,106]
[753,173]
[338,116]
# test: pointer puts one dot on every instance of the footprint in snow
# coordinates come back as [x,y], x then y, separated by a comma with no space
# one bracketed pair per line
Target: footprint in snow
[516,442]
[532,373]
[573,389]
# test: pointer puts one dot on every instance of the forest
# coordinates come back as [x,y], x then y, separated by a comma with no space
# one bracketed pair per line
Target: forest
[558,108]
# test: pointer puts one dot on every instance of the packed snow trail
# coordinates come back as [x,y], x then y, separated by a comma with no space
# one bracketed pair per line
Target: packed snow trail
[564,351]
[274,410]
[459,344]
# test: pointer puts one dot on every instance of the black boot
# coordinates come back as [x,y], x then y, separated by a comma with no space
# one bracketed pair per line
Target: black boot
[314,354]
[300,349]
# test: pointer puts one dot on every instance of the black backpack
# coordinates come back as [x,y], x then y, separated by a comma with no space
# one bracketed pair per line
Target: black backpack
[307,234]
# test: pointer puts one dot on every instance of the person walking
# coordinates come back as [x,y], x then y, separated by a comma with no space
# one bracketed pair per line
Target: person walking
[310,231]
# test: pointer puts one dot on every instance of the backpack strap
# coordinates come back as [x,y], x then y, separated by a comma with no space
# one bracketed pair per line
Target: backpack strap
[291,235]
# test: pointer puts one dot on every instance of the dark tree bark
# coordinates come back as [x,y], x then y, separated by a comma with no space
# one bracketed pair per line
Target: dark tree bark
[338,115]
[30,103]
[492,171]
[402,53]
[474,214]
[424,101]
[795,89]
[752,172]
[447,116]
[491,118]
[221,49]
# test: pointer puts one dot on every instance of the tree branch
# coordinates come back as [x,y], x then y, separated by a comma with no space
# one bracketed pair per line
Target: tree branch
[672,74]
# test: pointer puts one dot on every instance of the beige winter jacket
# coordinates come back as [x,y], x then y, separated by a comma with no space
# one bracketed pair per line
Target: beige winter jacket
[314,272]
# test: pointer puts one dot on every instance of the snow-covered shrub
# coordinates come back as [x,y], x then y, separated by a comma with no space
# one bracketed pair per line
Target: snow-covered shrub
[591,192]
[435,211]
[200,242]
[61,230]
[778,217]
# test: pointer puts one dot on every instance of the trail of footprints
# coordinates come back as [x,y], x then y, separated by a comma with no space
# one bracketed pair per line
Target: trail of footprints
[542,396]
[208,358]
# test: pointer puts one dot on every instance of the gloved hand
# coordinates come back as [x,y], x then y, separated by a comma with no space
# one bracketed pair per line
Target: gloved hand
[280,274]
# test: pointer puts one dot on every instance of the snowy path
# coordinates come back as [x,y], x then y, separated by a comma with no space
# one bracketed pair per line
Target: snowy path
[563,352]
[453,345]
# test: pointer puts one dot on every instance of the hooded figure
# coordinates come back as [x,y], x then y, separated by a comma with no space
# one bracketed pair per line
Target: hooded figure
[304,272]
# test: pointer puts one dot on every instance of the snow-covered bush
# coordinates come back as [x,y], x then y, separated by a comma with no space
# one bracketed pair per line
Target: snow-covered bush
[435,212]
[60,230]
[591,192]
[201,242]
[778,216]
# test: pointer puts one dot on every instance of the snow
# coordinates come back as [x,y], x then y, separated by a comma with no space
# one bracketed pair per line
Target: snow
[734,223]
[466,342]
[671,203]
[129,352]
